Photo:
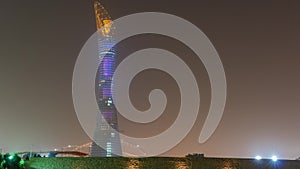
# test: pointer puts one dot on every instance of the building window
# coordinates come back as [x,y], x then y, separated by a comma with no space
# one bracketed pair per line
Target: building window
[108,149]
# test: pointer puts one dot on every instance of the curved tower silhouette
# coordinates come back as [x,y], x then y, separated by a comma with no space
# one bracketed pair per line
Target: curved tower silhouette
[106,141]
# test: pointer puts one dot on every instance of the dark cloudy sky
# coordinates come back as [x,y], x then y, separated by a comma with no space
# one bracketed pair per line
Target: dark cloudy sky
[258,43]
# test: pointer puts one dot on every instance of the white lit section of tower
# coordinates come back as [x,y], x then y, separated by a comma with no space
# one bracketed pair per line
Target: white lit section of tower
[108,139]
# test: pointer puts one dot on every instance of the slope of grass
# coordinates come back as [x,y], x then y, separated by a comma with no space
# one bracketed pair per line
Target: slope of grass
[107,163]
[157,163]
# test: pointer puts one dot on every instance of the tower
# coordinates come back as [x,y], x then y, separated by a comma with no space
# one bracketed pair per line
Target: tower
[108,139]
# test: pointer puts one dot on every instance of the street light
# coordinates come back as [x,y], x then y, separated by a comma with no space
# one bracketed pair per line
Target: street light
[11,157]
[274,158]
[258,157]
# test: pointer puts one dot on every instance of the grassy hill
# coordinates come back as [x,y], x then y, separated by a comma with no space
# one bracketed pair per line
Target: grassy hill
[158,163]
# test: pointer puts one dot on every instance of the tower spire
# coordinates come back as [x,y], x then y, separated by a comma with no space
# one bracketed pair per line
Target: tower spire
[103,19]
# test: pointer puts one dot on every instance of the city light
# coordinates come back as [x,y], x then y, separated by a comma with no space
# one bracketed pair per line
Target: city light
[11,157]
[258,157]
[22,162]
[274,158]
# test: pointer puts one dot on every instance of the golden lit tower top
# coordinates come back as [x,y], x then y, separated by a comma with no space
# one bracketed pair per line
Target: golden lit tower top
[103,20]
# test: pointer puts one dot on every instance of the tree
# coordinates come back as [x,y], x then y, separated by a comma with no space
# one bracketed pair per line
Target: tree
[195,155]
[11,161]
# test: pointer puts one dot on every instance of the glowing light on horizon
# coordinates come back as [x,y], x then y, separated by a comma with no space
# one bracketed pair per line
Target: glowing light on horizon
[274,158]
[258,157]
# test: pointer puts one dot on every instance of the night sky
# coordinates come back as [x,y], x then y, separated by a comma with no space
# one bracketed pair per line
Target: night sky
[258,43]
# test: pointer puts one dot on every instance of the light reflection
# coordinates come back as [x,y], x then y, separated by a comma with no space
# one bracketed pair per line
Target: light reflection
[181,165]
[227,165]
[230,164]
[133,164]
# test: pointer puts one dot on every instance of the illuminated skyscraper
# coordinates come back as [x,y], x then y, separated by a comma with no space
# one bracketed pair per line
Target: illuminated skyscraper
[108,139]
